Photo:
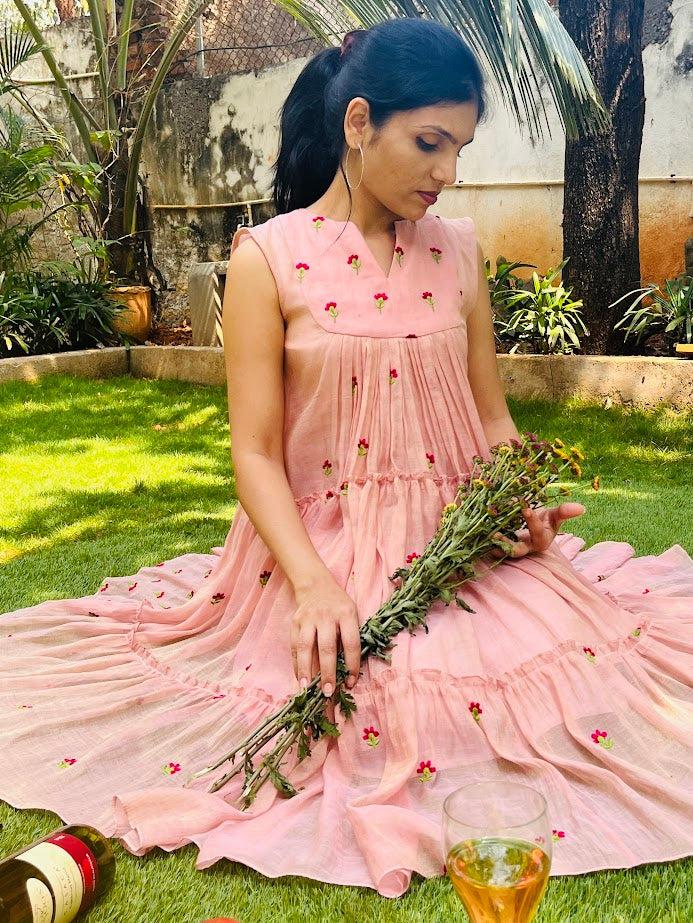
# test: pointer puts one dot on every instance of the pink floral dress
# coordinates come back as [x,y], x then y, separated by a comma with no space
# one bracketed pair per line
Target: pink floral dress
[572,674]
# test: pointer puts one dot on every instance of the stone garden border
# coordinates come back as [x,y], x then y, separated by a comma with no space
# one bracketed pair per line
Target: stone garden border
[634,380]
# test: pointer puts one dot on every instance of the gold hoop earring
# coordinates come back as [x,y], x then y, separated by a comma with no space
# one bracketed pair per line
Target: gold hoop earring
[346,169]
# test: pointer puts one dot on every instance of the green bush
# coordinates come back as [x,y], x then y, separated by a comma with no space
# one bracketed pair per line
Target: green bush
[541,318]
[46,312]
[670,311]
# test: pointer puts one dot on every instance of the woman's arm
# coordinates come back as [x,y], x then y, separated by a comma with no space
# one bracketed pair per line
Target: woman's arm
[487,389]
[254,351]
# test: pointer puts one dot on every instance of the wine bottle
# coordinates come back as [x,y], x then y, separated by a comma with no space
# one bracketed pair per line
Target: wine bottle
[54,879]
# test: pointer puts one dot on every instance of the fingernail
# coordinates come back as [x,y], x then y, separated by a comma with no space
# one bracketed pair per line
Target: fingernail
[303,683]
[327,690]
[351,680]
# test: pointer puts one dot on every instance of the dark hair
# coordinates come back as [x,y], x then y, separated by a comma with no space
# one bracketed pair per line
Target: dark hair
[397,65]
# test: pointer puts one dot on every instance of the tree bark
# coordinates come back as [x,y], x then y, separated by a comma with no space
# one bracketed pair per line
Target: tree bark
[600,210]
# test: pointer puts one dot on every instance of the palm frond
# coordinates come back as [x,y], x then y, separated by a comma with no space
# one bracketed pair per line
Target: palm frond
[521,43]
[16,47]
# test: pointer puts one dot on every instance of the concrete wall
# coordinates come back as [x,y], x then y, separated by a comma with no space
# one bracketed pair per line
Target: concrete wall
[213,141]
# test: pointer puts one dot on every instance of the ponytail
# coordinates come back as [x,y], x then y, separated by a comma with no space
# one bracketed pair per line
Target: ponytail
[308,160]
[398,65]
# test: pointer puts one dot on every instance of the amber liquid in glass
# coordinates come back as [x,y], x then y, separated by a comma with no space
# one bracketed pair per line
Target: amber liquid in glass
[499,880]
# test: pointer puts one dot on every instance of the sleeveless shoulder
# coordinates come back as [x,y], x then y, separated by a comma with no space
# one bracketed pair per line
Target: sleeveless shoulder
[271,238]
[461,236]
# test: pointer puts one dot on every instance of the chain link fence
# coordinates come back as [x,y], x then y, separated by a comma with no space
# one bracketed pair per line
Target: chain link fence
[245,35]
[230,37]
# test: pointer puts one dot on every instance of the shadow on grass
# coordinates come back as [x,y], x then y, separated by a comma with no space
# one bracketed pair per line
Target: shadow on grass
[622,444]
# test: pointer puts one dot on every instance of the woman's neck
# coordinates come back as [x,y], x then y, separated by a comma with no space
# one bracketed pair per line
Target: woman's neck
[368,214]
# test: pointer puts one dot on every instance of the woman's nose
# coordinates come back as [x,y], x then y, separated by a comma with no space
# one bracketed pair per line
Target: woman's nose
[445,171]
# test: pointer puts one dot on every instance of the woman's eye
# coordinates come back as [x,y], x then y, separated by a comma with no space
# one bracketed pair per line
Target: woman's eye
[425,146]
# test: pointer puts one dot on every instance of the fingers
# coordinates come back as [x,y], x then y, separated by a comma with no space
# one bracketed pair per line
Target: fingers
[351,645]
[304,654]
[327,652]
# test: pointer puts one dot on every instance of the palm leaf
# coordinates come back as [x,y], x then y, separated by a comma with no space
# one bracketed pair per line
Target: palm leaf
[521,43]
[16,47]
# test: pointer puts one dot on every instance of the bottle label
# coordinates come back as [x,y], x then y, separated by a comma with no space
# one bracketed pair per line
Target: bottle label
[71,870]
[40,901]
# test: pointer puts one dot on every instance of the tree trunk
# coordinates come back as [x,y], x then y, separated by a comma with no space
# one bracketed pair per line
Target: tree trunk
[66,9]
[600,211]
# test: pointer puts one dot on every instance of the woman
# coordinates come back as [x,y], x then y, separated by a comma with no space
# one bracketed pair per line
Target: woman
[362,382]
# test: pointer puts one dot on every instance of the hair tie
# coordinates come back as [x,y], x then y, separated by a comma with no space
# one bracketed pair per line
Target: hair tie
[348,42]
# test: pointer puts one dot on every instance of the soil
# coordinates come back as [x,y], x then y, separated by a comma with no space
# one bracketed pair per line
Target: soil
[170,336]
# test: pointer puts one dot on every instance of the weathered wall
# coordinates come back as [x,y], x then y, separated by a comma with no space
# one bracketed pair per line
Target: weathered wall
[213,141]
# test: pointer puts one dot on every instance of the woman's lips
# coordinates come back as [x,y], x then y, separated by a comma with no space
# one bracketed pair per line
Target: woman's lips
[430,198]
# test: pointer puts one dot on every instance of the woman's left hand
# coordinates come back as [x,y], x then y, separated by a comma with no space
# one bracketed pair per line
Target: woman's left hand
[542,528]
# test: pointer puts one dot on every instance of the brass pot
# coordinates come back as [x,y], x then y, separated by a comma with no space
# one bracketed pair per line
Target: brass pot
[136,318]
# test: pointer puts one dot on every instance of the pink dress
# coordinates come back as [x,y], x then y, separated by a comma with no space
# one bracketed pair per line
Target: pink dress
[573,675]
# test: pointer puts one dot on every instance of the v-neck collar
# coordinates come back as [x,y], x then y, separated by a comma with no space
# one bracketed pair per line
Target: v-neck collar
[387,276]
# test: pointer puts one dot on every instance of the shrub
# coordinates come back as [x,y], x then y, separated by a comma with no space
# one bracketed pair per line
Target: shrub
[43,312]
[544,319]
[670,310]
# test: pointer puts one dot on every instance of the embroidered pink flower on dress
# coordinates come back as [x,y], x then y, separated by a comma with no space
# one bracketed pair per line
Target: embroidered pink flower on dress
[412,557]
[602,738]
[430,459]
[558,834]
[354,262]
[425,771]
[317,222]
[436,254]
[363,447]
[371,736]
[380,300]
[399,255]
[589,653]
[170,769]
[393,376]
[217,598]
[428,298]
[476,710]
[264,577]
[331,308]
[302,270]
[329,495]
[68,761]
[344,487]
[327,467]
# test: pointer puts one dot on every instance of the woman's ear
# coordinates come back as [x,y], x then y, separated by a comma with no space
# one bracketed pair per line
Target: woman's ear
[356,121]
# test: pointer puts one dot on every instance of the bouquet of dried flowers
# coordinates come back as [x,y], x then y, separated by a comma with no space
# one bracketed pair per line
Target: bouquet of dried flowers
[488,506]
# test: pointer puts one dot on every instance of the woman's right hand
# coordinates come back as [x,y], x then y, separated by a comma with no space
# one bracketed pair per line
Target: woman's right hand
[325,615]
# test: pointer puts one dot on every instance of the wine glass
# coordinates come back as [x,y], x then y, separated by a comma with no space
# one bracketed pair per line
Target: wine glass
[497,841]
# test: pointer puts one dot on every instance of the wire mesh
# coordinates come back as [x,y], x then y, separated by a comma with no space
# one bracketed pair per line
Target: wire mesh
[230,37]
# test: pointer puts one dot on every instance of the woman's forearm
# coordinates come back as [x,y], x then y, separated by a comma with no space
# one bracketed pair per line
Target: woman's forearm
[264,492]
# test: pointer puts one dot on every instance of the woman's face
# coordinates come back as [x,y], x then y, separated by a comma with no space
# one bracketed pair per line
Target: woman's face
[413,156]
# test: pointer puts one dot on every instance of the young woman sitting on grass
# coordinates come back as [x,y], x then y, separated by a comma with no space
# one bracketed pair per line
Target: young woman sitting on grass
[362,384]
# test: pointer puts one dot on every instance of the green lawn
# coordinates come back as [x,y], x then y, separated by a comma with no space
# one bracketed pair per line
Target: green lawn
[102,478]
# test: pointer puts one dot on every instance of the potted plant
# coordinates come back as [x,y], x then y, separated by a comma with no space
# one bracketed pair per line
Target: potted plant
[667,309]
